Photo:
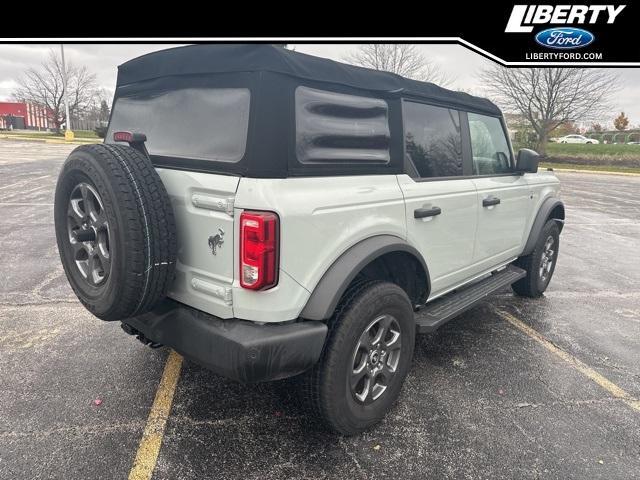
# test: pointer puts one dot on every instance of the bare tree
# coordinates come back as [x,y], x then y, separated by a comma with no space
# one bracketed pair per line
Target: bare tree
[43,86]
[402,59]
[96,113]
[549,97]
[100,107]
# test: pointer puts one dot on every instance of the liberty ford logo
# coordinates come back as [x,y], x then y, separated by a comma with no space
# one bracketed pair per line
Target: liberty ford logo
[564,38]
[216,241]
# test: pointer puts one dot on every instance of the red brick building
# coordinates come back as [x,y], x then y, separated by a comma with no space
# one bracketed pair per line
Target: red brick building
[18,115]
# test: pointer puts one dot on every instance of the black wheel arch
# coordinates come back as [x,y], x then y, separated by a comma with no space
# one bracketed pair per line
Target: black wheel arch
[380,257]
[551,208]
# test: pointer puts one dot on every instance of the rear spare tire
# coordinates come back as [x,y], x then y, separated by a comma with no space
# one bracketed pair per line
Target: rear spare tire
[115,230]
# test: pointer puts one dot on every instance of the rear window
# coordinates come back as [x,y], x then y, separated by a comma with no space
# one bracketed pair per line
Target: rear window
[194,123]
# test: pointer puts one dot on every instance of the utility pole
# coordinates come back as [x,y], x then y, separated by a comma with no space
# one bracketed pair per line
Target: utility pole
[68,134]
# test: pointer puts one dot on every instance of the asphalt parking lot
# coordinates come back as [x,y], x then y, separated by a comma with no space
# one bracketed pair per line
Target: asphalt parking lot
[514,388]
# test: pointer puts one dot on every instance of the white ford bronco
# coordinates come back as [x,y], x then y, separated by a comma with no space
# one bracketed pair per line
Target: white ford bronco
[269,214]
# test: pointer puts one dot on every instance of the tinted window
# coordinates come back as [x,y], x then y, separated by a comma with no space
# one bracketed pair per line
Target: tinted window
[489,145]
[432,139]
[195,123]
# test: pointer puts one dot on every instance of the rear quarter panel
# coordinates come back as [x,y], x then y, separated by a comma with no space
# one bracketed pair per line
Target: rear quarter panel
[320,218]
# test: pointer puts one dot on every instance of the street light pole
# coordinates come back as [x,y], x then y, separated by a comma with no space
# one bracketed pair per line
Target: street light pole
[68,134]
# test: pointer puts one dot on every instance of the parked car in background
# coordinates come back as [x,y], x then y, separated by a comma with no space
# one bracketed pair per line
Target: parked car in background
[578,139]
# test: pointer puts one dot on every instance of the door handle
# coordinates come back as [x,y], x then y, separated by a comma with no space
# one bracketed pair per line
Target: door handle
[426,212]
[490,201]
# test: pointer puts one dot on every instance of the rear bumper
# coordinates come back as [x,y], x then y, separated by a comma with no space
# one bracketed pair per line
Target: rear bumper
[237,349]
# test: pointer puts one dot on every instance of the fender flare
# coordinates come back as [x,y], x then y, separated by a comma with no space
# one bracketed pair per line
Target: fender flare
[336,279]
[541,218]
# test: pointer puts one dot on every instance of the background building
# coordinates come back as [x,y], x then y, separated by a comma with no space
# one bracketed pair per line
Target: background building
[19,116]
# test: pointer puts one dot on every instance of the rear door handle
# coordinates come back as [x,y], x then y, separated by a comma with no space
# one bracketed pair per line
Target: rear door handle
[426,212]
[490,201]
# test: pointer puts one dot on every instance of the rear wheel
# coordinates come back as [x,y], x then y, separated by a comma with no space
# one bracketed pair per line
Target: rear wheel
[365,360]
[539,264]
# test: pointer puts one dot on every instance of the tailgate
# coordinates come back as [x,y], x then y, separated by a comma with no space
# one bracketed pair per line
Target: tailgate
[203,207]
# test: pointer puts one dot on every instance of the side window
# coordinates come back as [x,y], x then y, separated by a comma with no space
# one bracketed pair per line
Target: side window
[489,145]
[432,140]
[335,127]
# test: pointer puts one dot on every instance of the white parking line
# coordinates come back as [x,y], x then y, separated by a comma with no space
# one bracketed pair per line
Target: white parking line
[578,365]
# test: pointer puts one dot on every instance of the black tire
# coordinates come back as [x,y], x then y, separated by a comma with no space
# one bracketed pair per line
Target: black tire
[326,387]
[115,189]
[535,283]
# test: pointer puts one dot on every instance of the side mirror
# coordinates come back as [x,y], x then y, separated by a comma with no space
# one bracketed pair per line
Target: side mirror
[527,161]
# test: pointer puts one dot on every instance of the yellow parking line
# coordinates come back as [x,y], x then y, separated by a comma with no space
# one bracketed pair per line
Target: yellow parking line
[604,382]
[151,440]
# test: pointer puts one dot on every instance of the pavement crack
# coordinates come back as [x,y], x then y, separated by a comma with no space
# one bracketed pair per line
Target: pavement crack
[44,302]
[521,405]
[523,431]
[75,430]
[353,458]
[184,419]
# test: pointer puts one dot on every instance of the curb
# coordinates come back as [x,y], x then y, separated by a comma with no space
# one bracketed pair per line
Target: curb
[47,140]
[601,172]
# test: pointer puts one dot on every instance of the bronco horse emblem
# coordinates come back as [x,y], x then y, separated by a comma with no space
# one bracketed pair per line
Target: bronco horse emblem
[216,240]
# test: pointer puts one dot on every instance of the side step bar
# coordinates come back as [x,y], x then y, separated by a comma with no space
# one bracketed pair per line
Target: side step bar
[440,311]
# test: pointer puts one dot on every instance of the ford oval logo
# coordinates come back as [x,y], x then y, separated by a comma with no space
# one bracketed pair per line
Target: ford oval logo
[564,38]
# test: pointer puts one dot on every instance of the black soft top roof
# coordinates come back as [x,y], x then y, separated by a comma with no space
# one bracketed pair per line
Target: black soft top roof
[218,58]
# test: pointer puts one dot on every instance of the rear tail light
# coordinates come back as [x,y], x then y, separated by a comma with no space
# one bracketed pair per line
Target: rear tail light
[259,233]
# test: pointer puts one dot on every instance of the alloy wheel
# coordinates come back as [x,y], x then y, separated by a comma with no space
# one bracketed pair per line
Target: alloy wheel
[375,359]
[88,231]
[547,259]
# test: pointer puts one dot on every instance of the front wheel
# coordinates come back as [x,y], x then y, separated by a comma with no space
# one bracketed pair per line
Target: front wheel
[365,360]
[539,264]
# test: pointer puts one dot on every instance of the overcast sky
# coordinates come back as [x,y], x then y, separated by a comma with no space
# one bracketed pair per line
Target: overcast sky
[103,59]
